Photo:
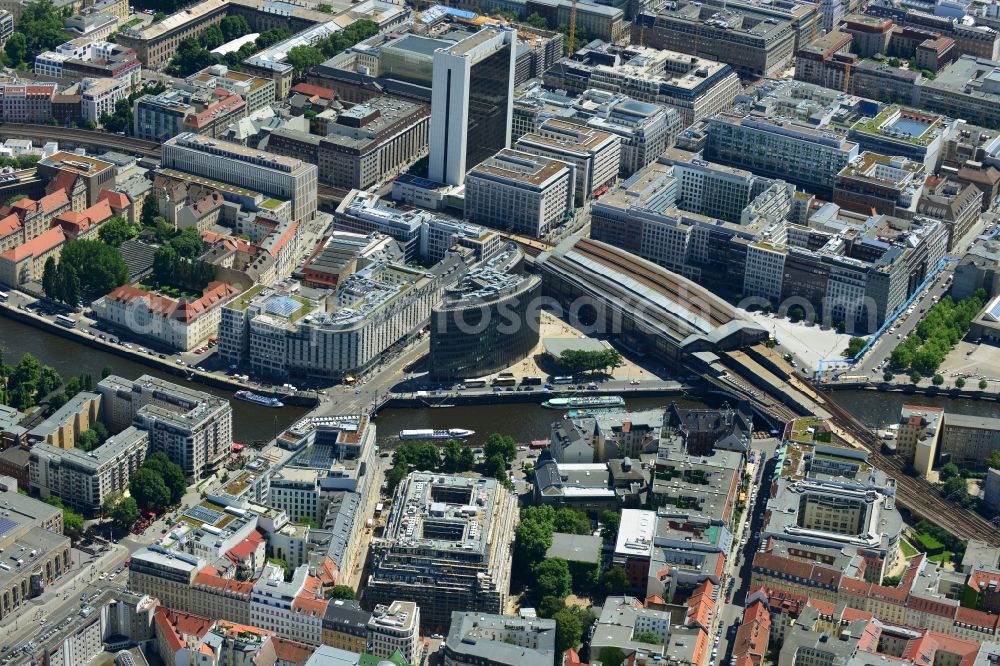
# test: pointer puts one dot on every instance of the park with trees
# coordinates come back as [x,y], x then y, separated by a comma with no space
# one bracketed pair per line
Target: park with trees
[158,483]
[947,322]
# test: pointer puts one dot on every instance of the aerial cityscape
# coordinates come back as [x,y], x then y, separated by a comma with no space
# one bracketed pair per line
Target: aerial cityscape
[500,333]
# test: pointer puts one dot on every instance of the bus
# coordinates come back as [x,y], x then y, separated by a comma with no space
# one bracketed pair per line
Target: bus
[504,381]
[4,296]
[378,509]
[531,381]
[562,380]
[475,383]
[68,322]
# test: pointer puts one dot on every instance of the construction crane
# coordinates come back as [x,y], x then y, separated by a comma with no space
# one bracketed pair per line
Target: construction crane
[572,28]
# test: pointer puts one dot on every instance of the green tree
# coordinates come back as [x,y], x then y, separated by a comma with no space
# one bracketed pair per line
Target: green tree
[915,377]
[50,278]
[610,521]
[855,345]
[189,58]
[99,267]
[983,384]
[42,25]
[534,538]
[87,441]
[422,456]
[188,243]
[949,471]
[116,231]
[960,382]
[340,592]
[571,521]
[395,476]
[568,631]
[954,488]
[57,400]
[993,460]
[16,49]
[887,376]
[549,606]
[68,284]
[150,209]
[149,490]
[536,20]
[234,27]
[647,637]
[496,468]
[552,578]
[502,445]
[48,381]
[303,58]
[72,524]
[457,457]
[614,581]
[158,16]
[211,37]
[125,512]
[937,380]
[107,371]
[611,656]
[170,473]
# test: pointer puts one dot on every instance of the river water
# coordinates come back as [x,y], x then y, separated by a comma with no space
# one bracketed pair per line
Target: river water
[70,358]
[524,422]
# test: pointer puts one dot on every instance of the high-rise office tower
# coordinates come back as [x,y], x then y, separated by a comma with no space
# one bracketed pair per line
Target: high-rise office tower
[471,102]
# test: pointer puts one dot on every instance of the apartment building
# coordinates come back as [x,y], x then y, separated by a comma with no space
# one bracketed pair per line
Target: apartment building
[345,626]
[477,639]
[393,628]
[956,204]
[695,87]
[83,480]
[181,324]
[887,185]
[754,42]
[594,155]
[419,233]
[287,178]
[26,103]
[363,146]
[918,437]
[99,97]
[272,62]
[91,57]
[157,43]
[520,192]
[456,557]
[258,91]
[205,111]
[969,88]
[278,333]
[96,175]
[968,441]
[192,427]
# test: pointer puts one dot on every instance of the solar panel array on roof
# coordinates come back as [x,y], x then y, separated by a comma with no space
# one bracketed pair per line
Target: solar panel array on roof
[205,515]
[283,306]
[6,525]
[993,311]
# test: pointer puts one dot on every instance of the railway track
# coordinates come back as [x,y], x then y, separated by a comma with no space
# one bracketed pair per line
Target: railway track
[915,493]
[81,137]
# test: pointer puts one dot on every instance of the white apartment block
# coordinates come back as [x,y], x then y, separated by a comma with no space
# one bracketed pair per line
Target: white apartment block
[765,270]
[596,155]
[520,192]
[395,627]
[286,178]
[179,324]
[99,96]
[194,428]
[83,480]
[284,608]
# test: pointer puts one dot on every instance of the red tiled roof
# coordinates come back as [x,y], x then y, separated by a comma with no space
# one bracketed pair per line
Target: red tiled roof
[244,548]
[176,626]
[977,618]
[117,200]
[182,310]
[225,106]
[63,180]
[9,225]
[41,244]
[310,90]
[209,578]
[292,652]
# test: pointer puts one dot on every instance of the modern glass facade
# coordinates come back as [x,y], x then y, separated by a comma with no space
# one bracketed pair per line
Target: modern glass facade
[489,101]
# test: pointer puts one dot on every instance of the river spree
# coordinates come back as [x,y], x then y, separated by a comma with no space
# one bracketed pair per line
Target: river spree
[524,422]
[250,422]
